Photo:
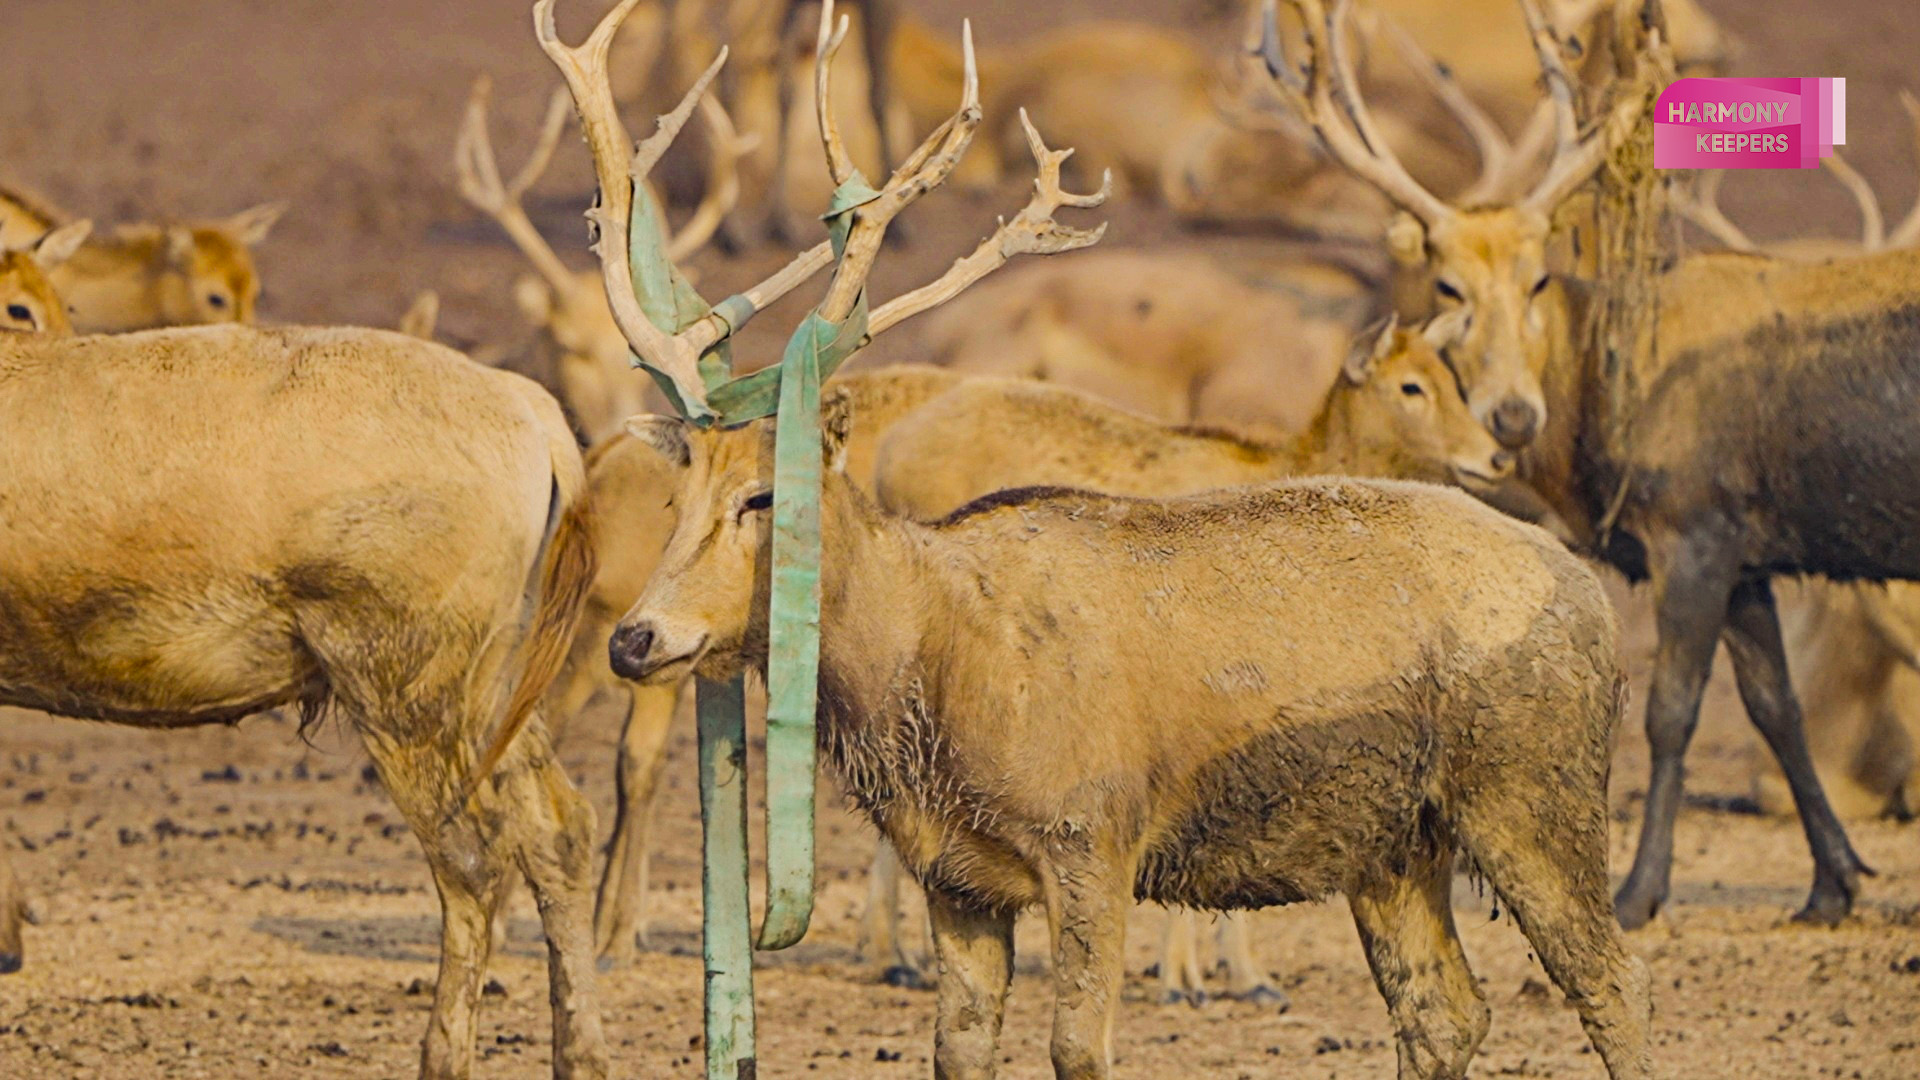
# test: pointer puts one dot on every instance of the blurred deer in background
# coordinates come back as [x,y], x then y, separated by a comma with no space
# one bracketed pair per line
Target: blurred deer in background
[599,383]
[28,301]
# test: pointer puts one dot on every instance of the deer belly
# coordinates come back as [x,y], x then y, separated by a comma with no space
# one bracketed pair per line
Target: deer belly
[1291,814]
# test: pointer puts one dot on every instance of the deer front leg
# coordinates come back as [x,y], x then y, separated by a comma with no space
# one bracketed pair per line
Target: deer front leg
[1692,583]
[619,916]
[1760,665]
[1087,902]
[974,949]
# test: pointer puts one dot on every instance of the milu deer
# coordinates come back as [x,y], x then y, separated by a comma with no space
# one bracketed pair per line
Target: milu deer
[207,523]
[1854,650]
[1763,433]
[995,697]
[28,301]
[599,383]
[138,277]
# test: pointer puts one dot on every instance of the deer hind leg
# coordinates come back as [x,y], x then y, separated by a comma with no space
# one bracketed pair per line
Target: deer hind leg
[1087,900]
[619,916]
[1406,926]
[15,909]
[1180,978]
[881,947]
[1760,668]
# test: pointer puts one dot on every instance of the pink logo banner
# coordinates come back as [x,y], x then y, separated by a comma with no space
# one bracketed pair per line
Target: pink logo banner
[1749,123]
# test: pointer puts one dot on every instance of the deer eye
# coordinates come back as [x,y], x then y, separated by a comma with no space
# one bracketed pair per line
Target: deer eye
[1447,289]
[1540,286]
[19,312]
[761,500]
[1412,389]
[216,300]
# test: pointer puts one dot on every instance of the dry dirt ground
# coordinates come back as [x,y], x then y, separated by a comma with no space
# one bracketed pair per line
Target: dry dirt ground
[230,902]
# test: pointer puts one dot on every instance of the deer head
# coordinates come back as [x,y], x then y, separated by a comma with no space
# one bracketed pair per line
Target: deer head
[1487,254]
[28,302]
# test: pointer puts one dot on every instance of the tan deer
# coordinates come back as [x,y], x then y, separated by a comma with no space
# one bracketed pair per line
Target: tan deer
[345,520]
[28,300]
[25,218]
[598,381]
[1744,368]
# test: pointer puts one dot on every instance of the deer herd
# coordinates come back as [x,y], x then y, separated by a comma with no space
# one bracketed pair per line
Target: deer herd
[1219,583]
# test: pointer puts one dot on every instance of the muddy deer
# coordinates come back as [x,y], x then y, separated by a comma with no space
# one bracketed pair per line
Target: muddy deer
[957,710]
[28,301]
[350,521]
[599,383]
[1709,459]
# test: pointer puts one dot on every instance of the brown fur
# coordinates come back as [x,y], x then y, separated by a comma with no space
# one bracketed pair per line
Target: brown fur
[1064,702]
[25,218]
[139,277]
[393,532]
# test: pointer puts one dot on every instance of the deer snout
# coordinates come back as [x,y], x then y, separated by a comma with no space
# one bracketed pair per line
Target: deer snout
[628,649]
[1514,422]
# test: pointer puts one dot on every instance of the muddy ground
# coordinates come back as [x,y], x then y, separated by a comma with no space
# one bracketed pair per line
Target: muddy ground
[235,902]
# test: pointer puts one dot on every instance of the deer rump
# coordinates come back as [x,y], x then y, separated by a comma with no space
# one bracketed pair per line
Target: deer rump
[200,521]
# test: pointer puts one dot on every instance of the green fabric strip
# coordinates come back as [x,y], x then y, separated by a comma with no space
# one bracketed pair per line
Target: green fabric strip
[723,817]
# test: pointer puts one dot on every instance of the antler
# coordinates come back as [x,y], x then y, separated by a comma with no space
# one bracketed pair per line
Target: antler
[727,147]
[1702,207]
[478,175]
[617,169]
[1346,129]
[1575,158]
[923,170]
[1502,162]
[1907,233]
[1032,231]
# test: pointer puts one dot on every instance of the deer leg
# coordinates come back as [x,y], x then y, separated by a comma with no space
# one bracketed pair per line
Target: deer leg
[974,949]
[778,213]
[1760,665]
[554,833]
[619,916]
[1406,926]
[15,910]
[1692,586]
[880,944]
[1180,978]
[1245,980]
[1087,903]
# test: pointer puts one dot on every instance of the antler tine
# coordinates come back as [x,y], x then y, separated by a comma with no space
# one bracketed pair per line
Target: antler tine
[1702,207]
[1344,132]
[839,162]
[585,69]
[1498,161]
[477,175]
[1559,81]
[1873,226]
[656,145]
[727,147]
[923,170]
[1908,231]
[1031,232]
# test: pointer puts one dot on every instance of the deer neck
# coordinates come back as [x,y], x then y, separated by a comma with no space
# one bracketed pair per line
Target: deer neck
[1570,465]
[1335,442]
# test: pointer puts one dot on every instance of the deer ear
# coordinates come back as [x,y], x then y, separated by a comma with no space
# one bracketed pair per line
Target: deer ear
[534,298]
[59,245]
[1407,239]
[253,224]
[422,316]
[1374,344]
[665,434]
[836,425]
[1445,329]
[180,245]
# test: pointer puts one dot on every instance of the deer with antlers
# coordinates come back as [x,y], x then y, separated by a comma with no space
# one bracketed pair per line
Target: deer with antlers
[596,378]
[1756,427]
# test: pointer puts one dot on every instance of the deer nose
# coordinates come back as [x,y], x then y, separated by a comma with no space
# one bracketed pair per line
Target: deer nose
[627,649]
[1514,422]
